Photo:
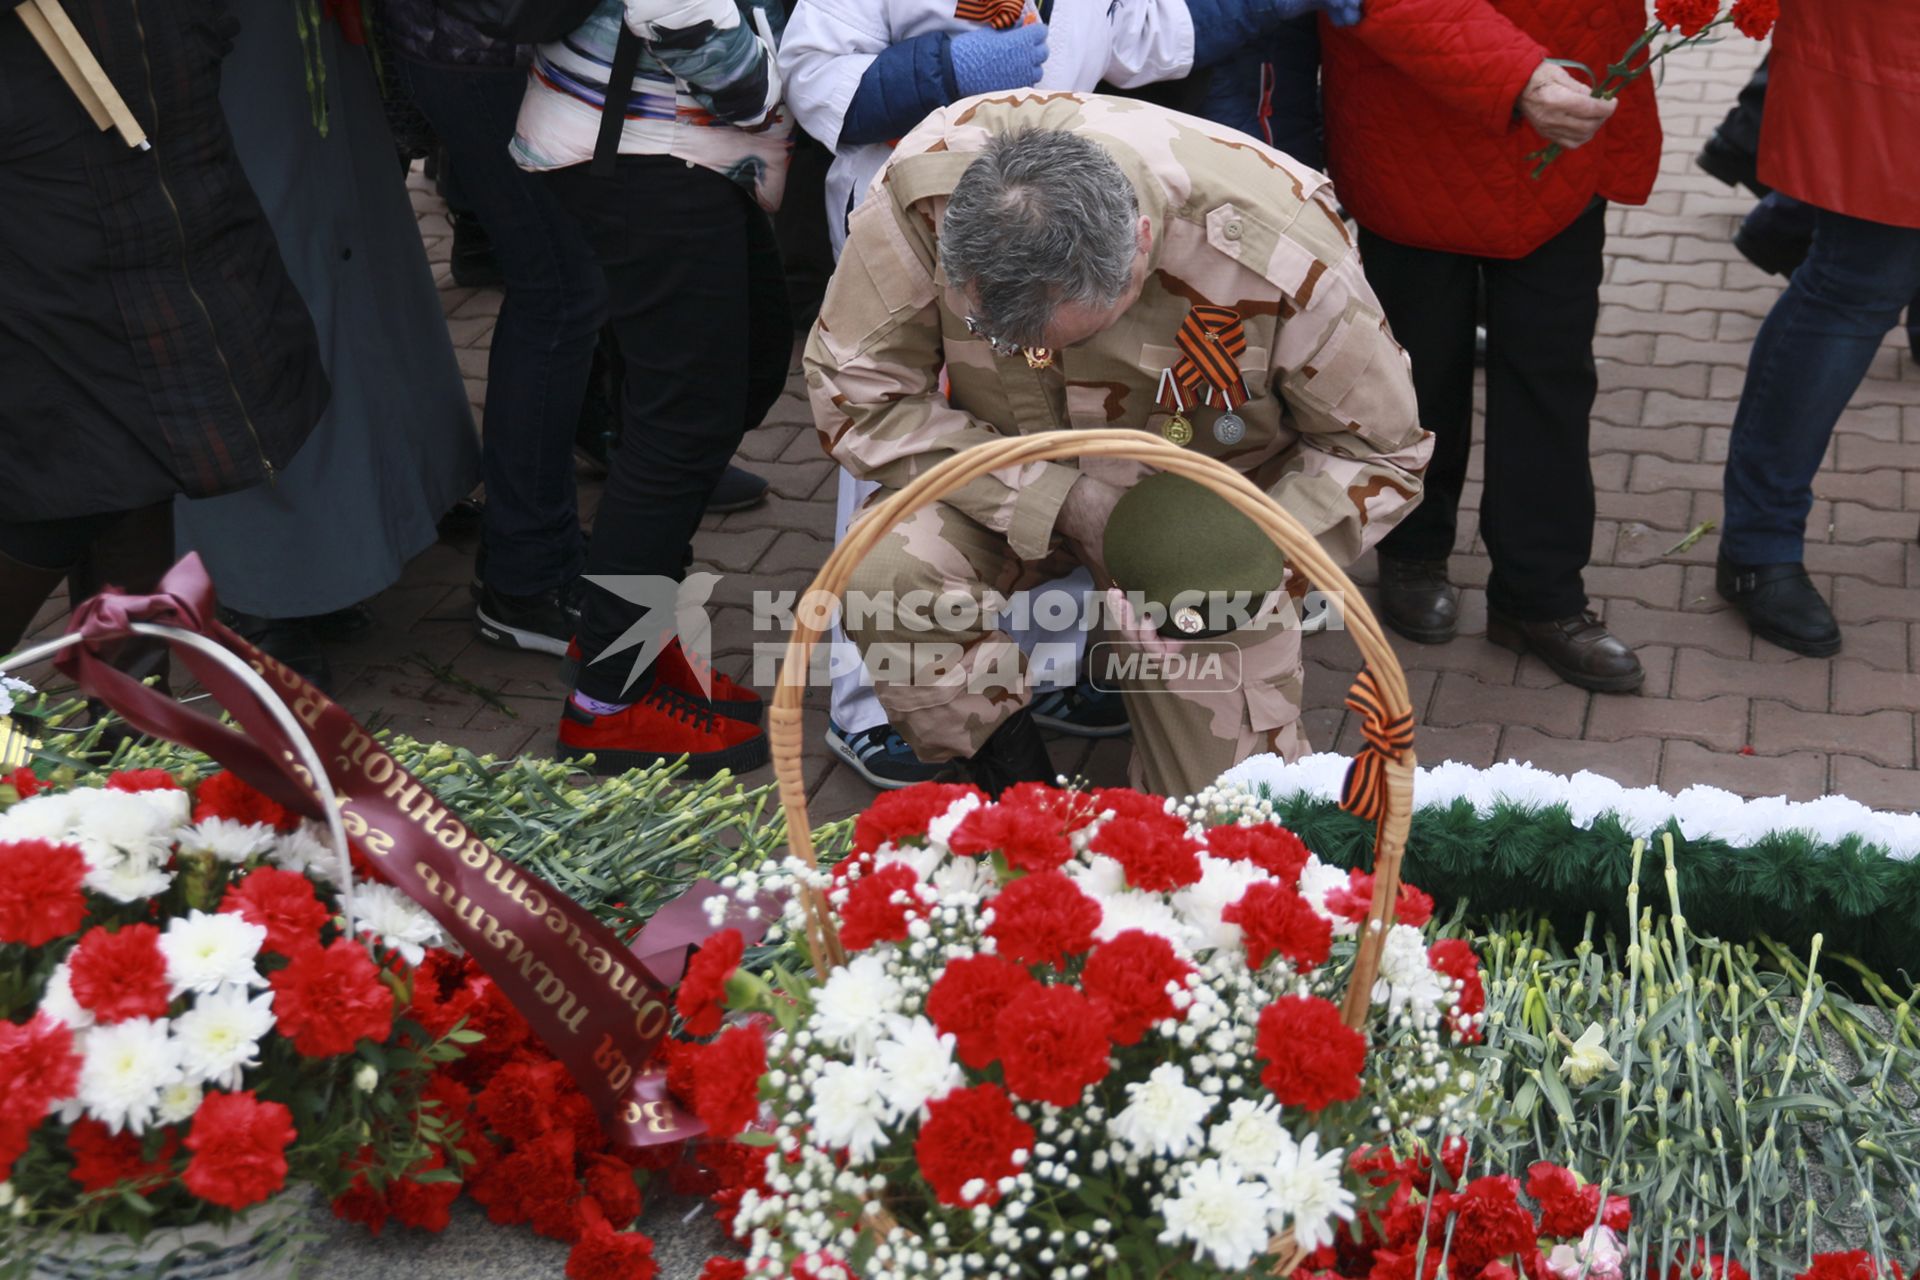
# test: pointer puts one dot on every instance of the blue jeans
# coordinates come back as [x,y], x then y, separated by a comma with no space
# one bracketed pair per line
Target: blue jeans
[1812,351]
[544,339]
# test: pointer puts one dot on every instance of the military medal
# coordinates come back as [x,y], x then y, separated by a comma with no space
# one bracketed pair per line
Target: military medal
[1176,429]
[1229,428]
[1038,357]
[1211,340]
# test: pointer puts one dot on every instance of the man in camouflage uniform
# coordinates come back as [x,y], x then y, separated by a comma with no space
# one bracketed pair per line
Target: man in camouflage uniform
[1328,426]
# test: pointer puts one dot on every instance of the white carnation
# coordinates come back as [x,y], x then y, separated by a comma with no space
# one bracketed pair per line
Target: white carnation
[919,1066]
[853,1008]
[940,830]
[126,1069]
[1164,1116]
[1147,912]
[1406,977]
[1220,1214]
[393,917]
[1098,876]
[1317,879]
[848,1108]
[58,1002]
[1222,883]
[220,1036]
[205,952]
[10,689]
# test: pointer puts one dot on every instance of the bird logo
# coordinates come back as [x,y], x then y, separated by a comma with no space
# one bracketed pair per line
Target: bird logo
[669,608]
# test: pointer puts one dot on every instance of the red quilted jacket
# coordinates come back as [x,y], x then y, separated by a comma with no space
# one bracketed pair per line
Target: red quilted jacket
[1422,139]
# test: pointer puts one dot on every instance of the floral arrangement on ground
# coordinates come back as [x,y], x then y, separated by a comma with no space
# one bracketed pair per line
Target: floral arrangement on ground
[1518,839]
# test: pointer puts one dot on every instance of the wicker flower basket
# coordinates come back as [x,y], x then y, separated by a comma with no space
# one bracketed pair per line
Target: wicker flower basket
[1304,554]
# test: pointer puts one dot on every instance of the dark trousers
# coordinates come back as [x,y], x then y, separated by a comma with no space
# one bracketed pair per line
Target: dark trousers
[1811,353]
[697,302]
[1536,514]
[543,341]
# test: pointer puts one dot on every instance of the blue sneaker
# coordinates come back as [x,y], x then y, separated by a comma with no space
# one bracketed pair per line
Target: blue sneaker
[1082,711]
[882,757]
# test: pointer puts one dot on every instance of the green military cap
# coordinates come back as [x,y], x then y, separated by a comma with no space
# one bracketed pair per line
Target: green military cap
[1178,546]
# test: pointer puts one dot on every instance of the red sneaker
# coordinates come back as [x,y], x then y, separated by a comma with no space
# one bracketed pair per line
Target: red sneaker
[729,697]
[665,724]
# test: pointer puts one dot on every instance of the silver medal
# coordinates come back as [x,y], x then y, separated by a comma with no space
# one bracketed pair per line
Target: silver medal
[1229,428]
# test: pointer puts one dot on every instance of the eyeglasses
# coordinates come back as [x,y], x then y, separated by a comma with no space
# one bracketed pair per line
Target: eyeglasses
[1037,357]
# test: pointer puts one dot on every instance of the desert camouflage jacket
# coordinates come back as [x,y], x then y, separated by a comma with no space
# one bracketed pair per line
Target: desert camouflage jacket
[1330,426]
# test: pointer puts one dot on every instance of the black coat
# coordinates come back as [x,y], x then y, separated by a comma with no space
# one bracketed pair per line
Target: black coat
[151,342]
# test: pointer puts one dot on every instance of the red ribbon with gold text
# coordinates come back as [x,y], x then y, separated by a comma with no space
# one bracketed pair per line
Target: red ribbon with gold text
[1364,794]
[998,14]
[587,996]
[1211,340]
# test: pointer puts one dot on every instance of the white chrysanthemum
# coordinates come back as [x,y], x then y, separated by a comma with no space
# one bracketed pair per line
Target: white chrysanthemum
[225,839]
[1220,1214]
[1097,875]
[1222,883]
[1317,879]
[127,1068]
[309,850]
[58,1002]
[219,1038]
[1307,1192]
[1406,978]
[113,825]
[129,880]
[178,1102]
[393,917]
[205,952]
[849,1107]
[173,805]
[47,816]
[1250,1136]
[1164,1115]
[854,1006]
[940,830]
[1147,912]
[919,1066]
[10,689]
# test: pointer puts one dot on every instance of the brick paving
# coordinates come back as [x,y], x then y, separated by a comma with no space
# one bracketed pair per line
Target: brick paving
[1680,310]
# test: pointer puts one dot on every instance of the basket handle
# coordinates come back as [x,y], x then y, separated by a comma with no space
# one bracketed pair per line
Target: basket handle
[813,618]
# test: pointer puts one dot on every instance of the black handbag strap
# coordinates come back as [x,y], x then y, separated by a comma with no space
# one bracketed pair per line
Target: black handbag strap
[613,108]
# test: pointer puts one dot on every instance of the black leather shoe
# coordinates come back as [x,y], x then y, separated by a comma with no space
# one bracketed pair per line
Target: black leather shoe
[738,490]
[1015,753]
[1781,604]
[1731,165]
[1580,650]
[1418,600]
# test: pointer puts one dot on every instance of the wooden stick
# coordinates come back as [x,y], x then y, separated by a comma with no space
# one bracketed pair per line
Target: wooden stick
[57,54]
[70,40]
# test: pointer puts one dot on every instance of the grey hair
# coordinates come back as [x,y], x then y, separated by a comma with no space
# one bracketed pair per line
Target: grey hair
[1043,217]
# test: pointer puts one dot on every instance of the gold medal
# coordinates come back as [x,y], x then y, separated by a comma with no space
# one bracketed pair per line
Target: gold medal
[1039,357]
[1177,429]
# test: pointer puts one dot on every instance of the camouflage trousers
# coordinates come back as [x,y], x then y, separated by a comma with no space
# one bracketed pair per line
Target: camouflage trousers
[922,610]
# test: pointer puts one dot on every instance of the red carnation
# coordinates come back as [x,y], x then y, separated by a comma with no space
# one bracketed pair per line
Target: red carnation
[702,998]
[610,1182]
[239,1147]
[880,906]
[723,1269]
[40,897]
[1354,901]
[1689,16]
[1053,1044]
[1313,1058]
[1127,978]
[38,1068]
[1455,958]
[23,781]
[970,1134]
[605,1254]
[1275,920]
[425,1206]
[1755,18]
[966,1001]
[1854,1264]
[519,1101]
[1156,852]
[284,904]
[328,1000]
[13,1145]
[900,815]
[225,795]
[1029,835]
[1567,1208]
[143,780]
[121,975]
[1489,1223]
[103,1160]
[726,1083]
[1701,1263]
[1124,802]
[1272,848]
[1071,809]
[1042,919]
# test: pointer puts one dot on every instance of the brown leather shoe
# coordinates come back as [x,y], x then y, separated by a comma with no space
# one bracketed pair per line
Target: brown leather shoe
[1418,600]
[1579,649]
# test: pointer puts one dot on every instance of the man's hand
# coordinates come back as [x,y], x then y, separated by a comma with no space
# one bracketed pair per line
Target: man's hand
[1561,108]
[1083,520]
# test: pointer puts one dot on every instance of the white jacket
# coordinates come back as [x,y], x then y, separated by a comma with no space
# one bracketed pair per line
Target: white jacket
[829,44]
